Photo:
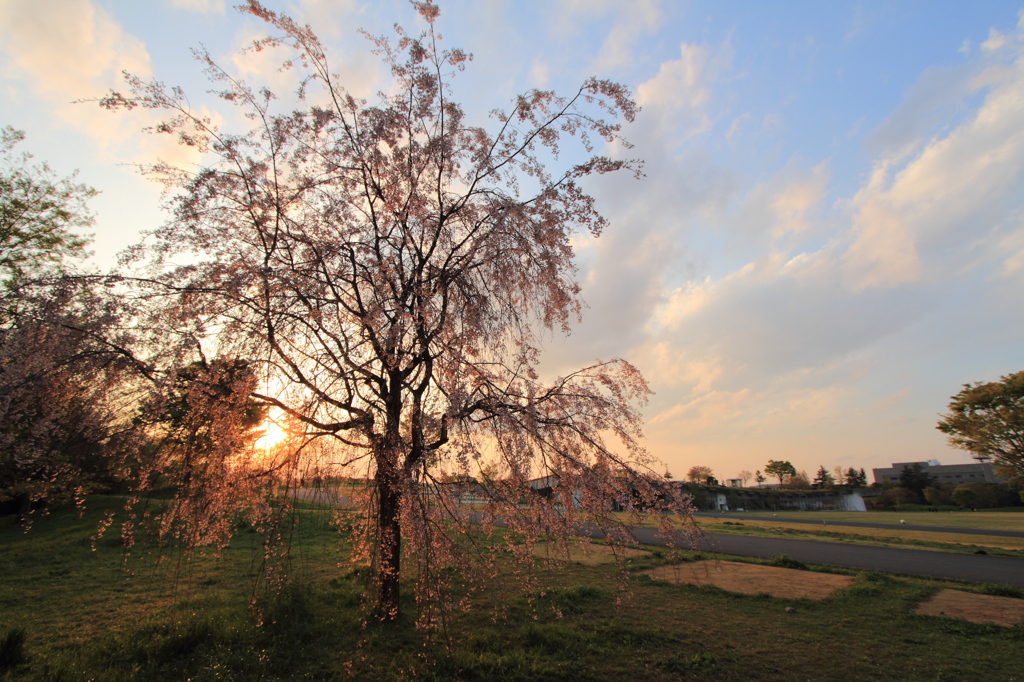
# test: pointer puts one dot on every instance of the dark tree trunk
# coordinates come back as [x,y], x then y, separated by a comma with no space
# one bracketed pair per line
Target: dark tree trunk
[389,529]
[389,514]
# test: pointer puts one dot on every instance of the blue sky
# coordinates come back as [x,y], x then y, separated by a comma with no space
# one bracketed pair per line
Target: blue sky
[829,240]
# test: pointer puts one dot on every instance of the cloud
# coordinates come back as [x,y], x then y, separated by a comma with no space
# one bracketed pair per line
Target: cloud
[68,48]
[938,94]
[200,6]
[73,49]
[680,93]
[539,73]
[638,18]
[781,212]
[890,401]
[734,127]
[920,219]
[714,409]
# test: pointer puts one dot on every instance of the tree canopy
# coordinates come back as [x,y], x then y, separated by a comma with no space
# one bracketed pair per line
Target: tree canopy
[40,214]
[387,270]
[856,479]
[987,419]
[916,478]
[699,475]
[64,354]
[780,469]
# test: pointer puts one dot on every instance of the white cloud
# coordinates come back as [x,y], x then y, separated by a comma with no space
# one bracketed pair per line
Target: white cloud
[539,73]
[888,402]
[73,49]
[68,48]
[636,19]
[680,93]
[734,127]
[921,218]
[709,410]
[200,6]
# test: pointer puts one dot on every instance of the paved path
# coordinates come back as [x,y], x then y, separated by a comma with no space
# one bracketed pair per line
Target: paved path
[970,567]
[869,524]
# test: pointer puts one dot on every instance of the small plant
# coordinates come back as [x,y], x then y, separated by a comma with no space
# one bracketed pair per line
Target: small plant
[783,561]
[12,648]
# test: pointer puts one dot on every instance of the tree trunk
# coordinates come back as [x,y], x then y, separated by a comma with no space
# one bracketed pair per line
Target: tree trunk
[389,529]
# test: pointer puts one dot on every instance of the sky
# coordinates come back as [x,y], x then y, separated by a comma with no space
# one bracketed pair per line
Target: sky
[828,240]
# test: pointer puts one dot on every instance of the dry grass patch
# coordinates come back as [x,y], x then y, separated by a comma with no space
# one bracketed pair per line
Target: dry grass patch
[753,578]
[977,608]
[586,554]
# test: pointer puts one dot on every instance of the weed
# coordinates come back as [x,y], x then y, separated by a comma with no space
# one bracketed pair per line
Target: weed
[783,561]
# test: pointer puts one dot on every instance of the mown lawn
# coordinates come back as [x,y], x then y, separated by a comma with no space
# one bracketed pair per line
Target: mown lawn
[85,617]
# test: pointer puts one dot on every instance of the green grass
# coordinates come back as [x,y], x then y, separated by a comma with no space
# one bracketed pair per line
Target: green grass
[82,616]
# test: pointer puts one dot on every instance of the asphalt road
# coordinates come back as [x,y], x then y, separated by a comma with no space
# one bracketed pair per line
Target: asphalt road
[970,567]
[868,524]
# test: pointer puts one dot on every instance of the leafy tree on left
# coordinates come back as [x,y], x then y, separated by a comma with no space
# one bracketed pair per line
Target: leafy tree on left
[40,214]
[63,355]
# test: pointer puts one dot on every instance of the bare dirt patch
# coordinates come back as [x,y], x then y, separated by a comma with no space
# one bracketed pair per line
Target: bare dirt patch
[977,608]
[588,555]
[753,578]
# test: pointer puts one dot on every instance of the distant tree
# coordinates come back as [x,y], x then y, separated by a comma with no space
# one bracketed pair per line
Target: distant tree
[936,495]
[668,475]
[744,476]
[759,477]
[916,478]
[823,478]
[837,475]
[852,478]
[900,495]
[862,478]
[987,419]
[965,496]
[699,475]
[798,481]
[780,469]
[711,480]
[40,213]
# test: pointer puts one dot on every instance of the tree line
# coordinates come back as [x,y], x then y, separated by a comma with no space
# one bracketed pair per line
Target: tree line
[787,476]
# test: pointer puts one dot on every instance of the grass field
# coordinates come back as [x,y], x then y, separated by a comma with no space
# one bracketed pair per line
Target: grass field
[85,617]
